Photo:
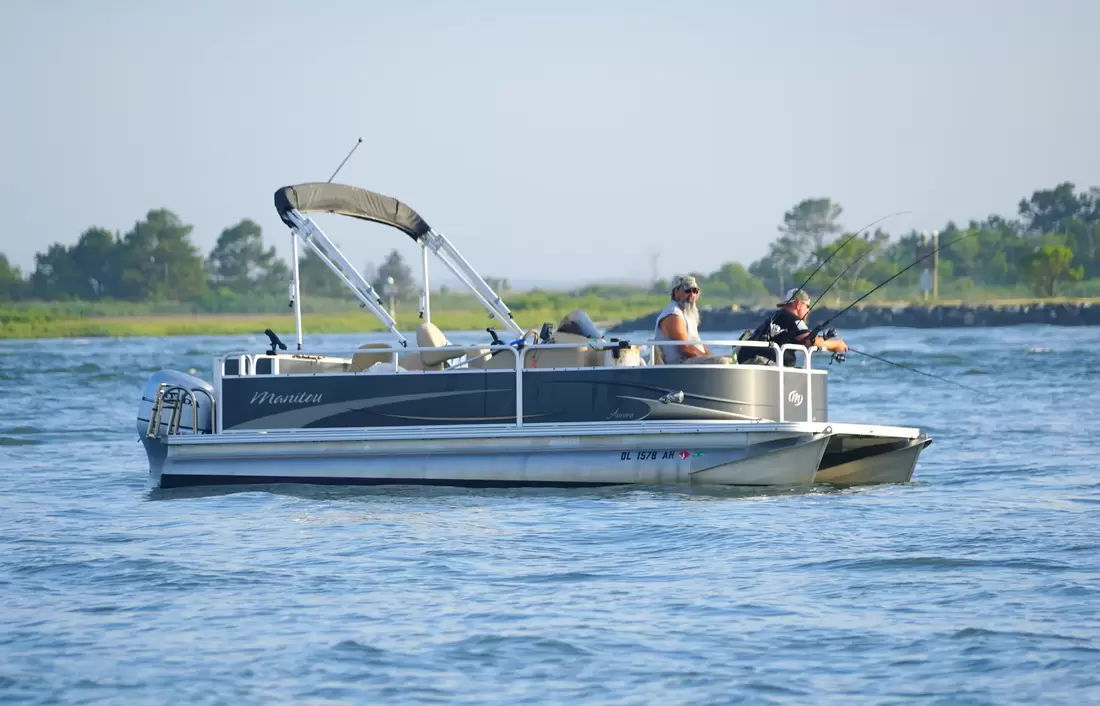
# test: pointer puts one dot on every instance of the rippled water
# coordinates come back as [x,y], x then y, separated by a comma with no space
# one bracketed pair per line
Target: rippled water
[977,583]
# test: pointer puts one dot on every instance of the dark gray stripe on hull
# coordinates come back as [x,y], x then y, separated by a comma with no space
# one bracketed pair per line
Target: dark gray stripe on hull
[830,460]
[188,480]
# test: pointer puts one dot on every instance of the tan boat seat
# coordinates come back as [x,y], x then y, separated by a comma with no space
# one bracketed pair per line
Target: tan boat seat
[580,357]
[710,360]
[428,335]
[379,353]
[501,360]
[475,357]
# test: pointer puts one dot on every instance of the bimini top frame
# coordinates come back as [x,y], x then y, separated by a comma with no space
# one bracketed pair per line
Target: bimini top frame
[294,202]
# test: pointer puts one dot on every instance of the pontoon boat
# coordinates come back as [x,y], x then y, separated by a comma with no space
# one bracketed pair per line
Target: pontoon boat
[561,407]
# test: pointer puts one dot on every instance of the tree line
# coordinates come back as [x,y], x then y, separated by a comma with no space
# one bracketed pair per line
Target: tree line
[156,261]
[1053,239]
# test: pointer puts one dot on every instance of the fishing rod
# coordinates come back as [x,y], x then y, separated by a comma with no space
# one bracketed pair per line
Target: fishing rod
[921,372]
[889,279]
[841,247]
[359,142]
[760,329]
[854,262]
[836,279]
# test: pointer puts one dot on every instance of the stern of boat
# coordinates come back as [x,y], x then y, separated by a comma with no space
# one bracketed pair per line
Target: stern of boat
[172,403]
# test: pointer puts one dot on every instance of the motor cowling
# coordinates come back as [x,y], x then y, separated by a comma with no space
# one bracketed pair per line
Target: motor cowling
[193,397]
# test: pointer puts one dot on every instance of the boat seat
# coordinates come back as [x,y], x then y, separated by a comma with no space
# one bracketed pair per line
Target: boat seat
[428,335]
[583,356]
[476,353]
[380,353]
[500,360]
[710,360]
[305,363]
[659,358]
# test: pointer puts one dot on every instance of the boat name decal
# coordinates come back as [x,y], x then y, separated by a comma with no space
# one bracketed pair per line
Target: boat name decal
[264,397]
[618,414]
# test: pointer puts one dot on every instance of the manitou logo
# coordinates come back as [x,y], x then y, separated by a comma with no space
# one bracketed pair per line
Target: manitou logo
[291,398]
[795,398]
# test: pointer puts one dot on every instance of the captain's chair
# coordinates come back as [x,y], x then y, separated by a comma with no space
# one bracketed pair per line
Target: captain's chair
[577,328]
[369,354]
[579,357]
[428,335]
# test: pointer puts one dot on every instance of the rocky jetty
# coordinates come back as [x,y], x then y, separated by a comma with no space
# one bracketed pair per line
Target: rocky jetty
[1068,314]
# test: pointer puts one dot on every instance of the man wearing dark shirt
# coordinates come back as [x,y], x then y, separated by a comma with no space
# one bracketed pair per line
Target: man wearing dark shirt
[786,326]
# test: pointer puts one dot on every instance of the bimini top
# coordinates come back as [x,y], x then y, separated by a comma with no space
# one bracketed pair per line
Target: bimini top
[349,201]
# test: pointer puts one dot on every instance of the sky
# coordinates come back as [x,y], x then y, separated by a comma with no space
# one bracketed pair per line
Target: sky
[550,142]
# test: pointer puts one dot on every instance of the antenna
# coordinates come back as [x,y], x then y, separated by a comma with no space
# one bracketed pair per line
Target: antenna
[357,143]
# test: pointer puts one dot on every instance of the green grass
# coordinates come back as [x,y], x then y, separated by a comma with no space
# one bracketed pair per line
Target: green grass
[51,325]
[115,319]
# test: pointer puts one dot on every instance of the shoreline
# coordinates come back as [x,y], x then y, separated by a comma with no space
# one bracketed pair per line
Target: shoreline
[1062,313]
[1080,313]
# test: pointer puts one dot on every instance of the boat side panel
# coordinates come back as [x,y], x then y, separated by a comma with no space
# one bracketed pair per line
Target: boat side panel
[726,392]
[730,393]
[335,401]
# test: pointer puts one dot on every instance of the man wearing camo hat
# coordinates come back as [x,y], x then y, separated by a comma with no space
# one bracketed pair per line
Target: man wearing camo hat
[679,321]
[787,325]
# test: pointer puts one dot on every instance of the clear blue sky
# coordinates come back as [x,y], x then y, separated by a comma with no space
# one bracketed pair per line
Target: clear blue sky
[557,141]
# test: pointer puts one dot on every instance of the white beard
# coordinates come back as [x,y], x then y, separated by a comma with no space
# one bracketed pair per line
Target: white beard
[691,313]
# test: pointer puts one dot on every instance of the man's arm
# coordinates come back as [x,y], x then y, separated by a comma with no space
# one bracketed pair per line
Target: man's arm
[836,345]
[674,327]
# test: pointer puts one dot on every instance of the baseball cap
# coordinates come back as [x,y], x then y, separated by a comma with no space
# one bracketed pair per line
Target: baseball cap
[795,295]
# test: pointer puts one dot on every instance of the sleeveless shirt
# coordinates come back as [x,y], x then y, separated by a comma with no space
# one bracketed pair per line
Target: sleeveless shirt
[672,354]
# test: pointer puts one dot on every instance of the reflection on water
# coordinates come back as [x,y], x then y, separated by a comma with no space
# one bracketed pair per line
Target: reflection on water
[336,491]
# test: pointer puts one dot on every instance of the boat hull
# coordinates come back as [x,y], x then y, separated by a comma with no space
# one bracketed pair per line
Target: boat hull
[562,459]
[855,459]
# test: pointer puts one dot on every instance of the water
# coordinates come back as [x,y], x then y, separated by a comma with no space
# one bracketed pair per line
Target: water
[977,583]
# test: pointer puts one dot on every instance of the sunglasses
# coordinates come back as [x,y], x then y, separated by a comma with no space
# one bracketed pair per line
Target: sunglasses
[693,290]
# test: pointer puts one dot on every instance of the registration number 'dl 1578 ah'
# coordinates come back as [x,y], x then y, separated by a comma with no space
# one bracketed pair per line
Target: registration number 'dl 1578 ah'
[662,454]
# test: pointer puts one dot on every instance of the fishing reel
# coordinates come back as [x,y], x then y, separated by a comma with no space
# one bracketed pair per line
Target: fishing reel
[838,357]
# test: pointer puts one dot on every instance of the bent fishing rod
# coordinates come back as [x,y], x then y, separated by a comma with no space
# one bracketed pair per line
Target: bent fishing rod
[841,247]
[922,372]
[847,240]
[824,324]
[836,279]
[851,264]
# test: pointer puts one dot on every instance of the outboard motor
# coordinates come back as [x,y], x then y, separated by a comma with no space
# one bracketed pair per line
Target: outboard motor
[172,403]
[578,323]
[188,394]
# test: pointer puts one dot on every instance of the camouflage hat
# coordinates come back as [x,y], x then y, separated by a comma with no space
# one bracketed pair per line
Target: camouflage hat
[685,281]
[795,295]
